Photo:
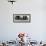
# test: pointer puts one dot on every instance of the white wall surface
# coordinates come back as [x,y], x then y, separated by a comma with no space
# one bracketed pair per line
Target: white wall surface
[37,27]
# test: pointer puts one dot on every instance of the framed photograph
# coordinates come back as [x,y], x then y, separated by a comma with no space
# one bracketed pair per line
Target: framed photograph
[21,18]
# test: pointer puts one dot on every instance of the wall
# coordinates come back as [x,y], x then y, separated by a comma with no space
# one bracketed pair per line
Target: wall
[37,27]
